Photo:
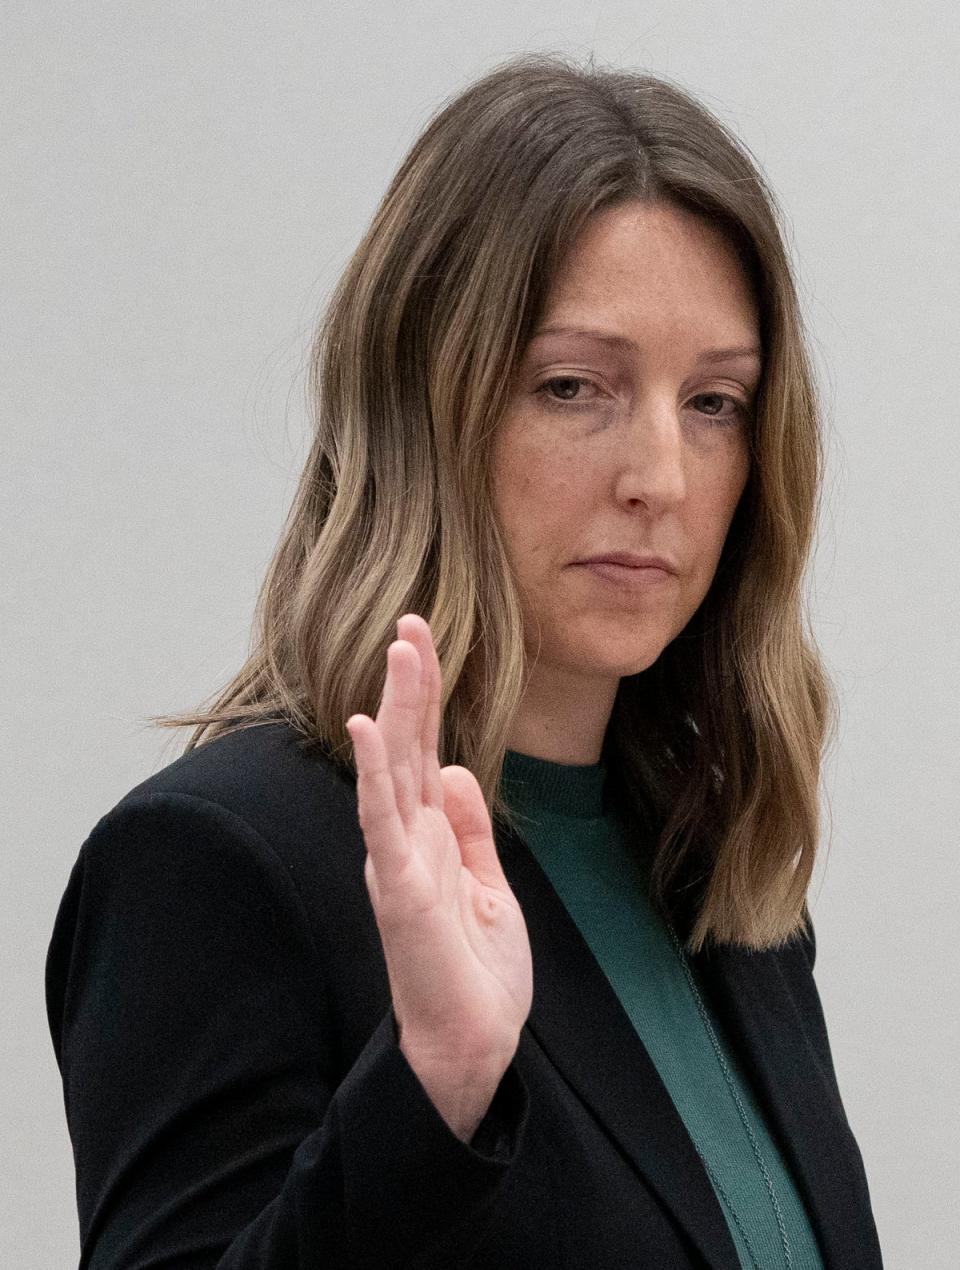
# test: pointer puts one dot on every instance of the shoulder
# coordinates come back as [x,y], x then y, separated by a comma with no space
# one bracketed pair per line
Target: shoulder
[244,852]
[231,880]
[261,799]
[269,776]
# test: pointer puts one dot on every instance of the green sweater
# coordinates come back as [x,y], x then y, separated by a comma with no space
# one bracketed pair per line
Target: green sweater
[578,840]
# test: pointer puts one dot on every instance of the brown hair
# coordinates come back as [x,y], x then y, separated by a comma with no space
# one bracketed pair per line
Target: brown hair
[717,746]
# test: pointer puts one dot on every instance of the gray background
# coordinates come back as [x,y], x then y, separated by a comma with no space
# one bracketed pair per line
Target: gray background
[182,184]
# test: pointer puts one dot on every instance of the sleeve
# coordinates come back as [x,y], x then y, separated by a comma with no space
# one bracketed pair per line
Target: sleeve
[186,1004]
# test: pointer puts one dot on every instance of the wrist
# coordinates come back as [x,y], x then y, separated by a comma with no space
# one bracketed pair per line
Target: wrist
[461,1088]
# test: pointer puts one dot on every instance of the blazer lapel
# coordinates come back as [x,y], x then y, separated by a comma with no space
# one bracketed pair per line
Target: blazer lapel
[801,1099]
[578,1020]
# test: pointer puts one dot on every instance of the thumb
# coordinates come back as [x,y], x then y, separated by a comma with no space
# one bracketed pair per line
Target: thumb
[466,810]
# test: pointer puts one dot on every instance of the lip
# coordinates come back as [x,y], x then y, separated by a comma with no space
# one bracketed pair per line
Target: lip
[632,560]
[629,579]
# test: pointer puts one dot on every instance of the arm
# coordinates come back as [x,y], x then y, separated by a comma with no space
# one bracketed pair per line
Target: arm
[198,1056]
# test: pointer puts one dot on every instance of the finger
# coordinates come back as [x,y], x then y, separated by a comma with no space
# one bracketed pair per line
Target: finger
[466,810]
[398,721]
[417,630]
[416,750]
[383,830]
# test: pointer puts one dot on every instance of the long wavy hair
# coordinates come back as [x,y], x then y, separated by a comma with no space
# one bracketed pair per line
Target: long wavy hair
[715,750]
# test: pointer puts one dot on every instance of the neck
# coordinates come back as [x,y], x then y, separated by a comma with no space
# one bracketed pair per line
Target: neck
[563,718]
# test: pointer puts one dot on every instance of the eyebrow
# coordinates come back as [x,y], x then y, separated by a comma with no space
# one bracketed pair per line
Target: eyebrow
[621,341]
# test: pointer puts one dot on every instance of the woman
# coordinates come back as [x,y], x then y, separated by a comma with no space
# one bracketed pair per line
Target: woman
[551,1003]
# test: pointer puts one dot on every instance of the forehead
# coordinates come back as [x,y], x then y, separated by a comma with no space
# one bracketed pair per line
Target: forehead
[654,267]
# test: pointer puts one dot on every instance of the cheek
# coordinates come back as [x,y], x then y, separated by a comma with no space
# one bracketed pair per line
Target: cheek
[538,491]
[718,508]
[722,480]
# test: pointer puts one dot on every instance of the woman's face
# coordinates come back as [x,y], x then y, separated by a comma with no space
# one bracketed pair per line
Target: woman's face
[627,430]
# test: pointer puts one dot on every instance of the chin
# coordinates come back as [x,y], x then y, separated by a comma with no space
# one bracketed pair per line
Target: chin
[621,663]
[639,666]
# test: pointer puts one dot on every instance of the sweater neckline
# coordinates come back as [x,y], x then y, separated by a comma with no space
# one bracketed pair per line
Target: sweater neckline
[564,789]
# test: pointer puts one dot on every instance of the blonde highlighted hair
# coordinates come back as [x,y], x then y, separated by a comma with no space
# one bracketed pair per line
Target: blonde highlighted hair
[716,748]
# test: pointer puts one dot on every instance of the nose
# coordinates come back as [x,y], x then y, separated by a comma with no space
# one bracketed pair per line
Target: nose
[650,455]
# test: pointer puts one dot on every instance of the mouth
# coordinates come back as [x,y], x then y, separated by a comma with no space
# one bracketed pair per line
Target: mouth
[631,577]
[633,560]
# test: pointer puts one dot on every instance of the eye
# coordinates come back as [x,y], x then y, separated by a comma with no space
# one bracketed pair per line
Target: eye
[740,409]
[569,396]
[567,384]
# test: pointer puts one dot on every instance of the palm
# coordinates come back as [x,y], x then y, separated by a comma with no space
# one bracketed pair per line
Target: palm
[465,934]
[454,938]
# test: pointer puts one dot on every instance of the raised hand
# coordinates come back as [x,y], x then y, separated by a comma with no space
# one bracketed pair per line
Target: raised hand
[454,938]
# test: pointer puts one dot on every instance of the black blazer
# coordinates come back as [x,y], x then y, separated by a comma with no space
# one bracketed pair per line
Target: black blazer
[236,1097]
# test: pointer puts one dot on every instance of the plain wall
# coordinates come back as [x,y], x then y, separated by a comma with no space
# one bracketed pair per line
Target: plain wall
[182,185]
